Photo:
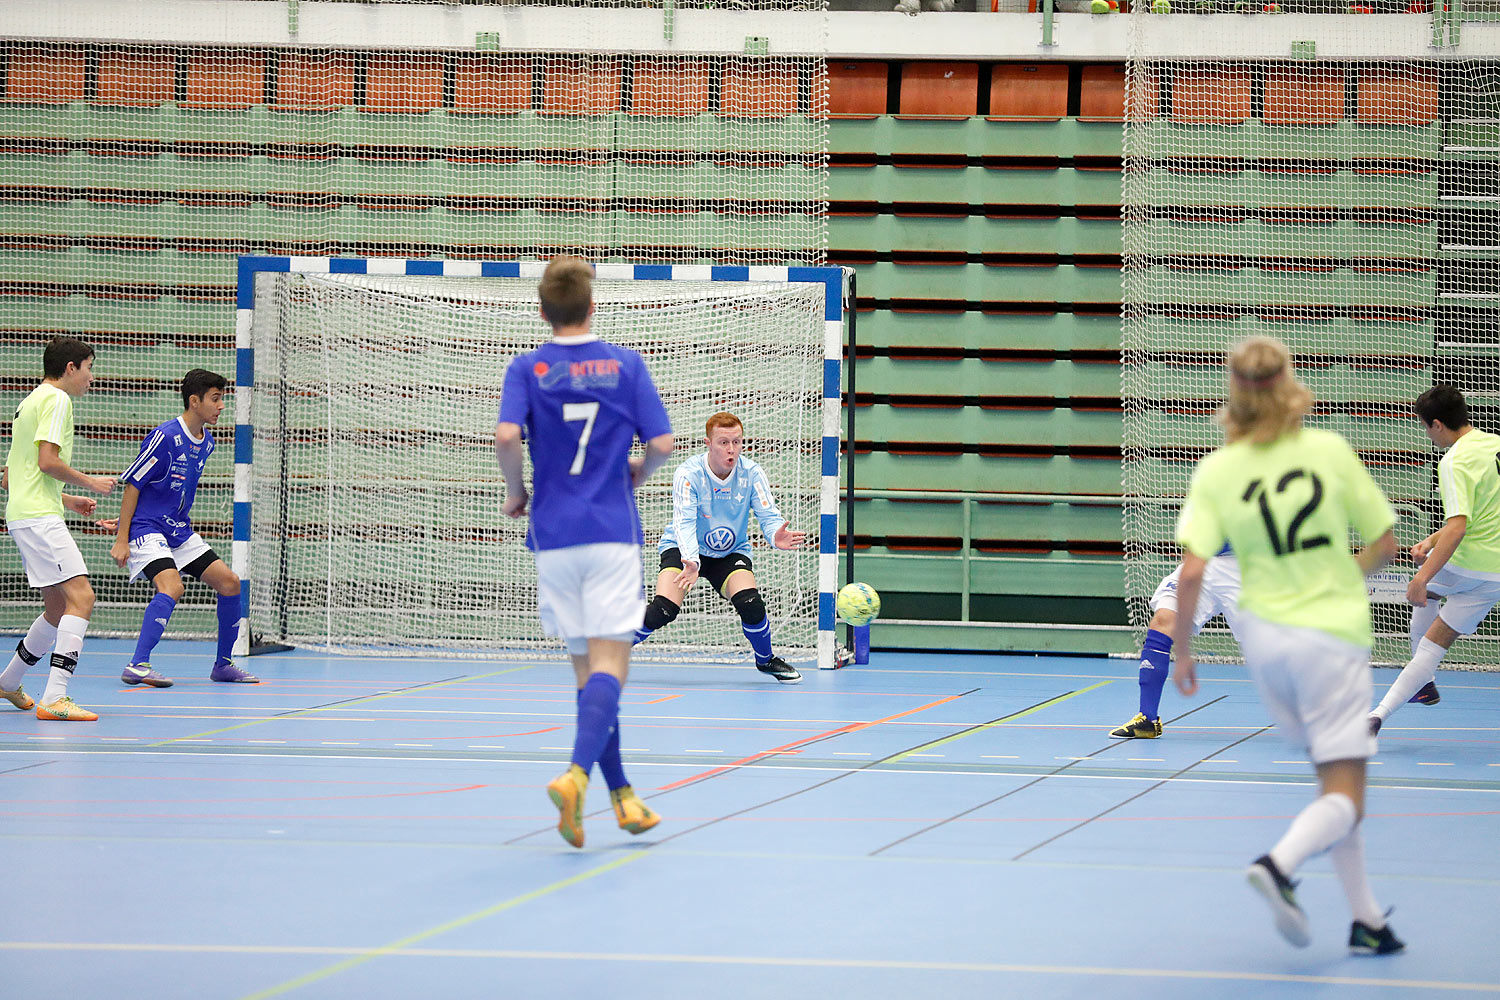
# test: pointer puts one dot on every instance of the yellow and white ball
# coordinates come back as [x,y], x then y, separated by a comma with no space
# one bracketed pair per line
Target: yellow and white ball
[858,604]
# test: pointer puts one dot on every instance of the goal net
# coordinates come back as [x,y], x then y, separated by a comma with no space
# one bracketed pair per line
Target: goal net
[1331,181]
[374,495]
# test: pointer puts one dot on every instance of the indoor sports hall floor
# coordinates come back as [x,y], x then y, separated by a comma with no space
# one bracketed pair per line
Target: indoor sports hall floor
[925,826]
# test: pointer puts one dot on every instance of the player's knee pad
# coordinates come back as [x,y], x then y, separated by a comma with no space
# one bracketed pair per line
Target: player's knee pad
[751,608]
[660,612]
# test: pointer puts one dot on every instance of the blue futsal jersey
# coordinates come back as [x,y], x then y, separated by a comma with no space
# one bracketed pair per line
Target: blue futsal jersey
[582,402]
[167,472]
[711,516]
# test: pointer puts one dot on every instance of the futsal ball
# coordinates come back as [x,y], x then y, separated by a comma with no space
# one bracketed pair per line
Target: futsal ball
[858,604]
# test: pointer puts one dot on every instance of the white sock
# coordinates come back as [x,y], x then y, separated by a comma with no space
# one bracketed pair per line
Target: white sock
[70,630]
[1348,857]
[1421,620]
[38,641]
[1326,821]
[1421,669]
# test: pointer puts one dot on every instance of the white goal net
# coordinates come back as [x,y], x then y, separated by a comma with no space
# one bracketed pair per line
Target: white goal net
[1333,181]
[374,492]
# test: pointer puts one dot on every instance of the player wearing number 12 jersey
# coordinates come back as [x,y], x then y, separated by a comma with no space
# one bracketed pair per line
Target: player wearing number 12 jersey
[580,403]
[1284,498]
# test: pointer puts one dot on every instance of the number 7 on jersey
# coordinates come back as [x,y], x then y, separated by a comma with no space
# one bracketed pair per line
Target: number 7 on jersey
[587,412]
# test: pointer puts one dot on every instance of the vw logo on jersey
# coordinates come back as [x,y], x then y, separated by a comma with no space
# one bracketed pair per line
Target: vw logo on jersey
[721,539]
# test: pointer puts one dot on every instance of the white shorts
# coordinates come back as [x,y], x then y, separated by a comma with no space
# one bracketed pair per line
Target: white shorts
[591,591]
[1220,594]
[1317,688]
[47,551]
[148,548]
[1466,599]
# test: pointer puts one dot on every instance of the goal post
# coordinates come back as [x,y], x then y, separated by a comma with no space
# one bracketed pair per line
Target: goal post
[366,493]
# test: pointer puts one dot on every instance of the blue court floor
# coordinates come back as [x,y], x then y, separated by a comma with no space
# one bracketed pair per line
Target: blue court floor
[924,826]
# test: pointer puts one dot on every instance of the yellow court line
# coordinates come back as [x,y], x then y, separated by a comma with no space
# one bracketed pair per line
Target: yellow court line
[397,947]
[998,722]
[1209,975]
[339,706]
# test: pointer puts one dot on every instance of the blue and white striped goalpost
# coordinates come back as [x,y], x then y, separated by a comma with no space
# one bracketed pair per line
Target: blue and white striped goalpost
[833,279]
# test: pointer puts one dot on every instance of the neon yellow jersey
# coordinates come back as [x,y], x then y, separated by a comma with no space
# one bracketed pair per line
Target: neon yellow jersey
[1469,483]
[1286,509]
[45,415]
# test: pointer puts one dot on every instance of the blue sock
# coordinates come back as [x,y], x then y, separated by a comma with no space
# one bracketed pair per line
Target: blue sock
[760,638]
[640,635]
[609,761]
[598,705]
[229,625]
[158,613]
[1156,658]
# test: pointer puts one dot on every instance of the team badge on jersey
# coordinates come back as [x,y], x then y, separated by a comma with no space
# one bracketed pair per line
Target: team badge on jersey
[720,539]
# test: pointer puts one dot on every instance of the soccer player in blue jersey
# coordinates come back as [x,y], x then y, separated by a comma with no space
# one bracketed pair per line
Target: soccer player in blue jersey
[713,495]
[155,536]
[579,403]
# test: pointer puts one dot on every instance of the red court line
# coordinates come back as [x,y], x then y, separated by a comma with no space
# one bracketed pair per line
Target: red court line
[287,799]
[658,701]
[852,727]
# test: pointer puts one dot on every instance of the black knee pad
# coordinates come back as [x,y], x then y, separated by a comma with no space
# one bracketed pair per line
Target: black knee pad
[751,608]
[660,612]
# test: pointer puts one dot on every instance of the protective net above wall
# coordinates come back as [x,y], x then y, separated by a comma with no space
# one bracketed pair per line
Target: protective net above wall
[131,176]
[1350,207]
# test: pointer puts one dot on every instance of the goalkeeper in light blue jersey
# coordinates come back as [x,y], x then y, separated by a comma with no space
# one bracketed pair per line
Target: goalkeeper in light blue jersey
[713,496]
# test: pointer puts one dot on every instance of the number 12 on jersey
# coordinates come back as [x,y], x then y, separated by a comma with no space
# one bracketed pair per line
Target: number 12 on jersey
[587,412]
[1284,542]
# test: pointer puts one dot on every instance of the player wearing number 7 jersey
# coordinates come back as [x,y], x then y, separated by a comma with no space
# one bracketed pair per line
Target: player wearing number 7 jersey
[1460,562]
[580,403]
[1284,498]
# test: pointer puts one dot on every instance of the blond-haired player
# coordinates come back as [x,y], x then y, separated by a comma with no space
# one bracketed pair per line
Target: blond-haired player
[1284,497]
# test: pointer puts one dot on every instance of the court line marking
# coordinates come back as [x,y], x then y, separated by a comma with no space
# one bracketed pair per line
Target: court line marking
[1035,780]
[1126,801]
[363,955]
[343,703]
[486,846]
[1050,675]
[873,767]
[359,955]
[828,781]
[994,722]
[852,727]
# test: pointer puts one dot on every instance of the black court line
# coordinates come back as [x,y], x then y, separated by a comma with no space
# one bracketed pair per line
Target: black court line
[27,767]
[367,697]
[863,767]
[1037,780]
[1145,791]
[731,770]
